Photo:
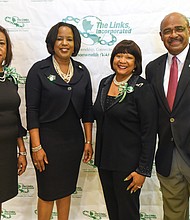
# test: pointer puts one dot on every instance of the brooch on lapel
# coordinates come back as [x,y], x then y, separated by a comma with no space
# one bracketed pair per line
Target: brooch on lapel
[123,90]
[51,78]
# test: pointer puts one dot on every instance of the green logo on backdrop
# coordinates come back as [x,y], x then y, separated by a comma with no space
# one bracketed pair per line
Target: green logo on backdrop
[144,216]
[16,21]
[94,215]
[7,214]
[25,190]
[89,167]
[78,193]
[94,31]
[97,216]
[91,163]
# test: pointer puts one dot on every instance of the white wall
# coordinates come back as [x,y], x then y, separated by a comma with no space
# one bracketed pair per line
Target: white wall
[28,22]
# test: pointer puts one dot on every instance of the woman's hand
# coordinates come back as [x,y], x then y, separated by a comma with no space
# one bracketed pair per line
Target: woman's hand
[88,152]
[22,163]
[137,181]
[40,159]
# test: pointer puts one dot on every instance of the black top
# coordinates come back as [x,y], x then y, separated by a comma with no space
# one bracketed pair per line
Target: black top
[126,131]
[10,130]
[42,106]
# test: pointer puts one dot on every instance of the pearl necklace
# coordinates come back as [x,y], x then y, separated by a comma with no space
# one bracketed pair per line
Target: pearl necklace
[120,83]
[2,78]
[65,76]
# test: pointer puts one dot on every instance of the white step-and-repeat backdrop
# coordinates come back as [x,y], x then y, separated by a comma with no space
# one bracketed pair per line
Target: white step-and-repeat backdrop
[102,24]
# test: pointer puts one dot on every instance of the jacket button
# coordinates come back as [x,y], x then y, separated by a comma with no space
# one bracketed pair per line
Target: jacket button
[172,139]
[69,88]
[172,120]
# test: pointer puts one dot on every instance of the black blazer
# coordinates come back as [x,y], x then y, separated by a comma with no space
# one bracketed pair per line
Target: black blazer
[48,96]
[173,127]
[126,131]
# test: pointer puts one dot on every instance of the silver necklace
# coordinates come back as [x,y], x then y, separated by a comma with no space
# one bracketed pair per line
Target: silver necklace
[2,78]
[119,83]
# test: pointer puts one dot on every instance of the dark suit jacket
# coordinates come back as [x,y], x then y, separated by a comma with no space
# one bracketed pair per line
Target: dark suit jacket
[48,96]
[126,131]
[173,127]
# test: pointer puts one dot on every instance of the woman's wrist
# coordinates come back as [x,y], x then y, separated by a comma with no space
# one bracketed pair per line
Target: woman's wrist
[88,142]
[37,148]
[22,153]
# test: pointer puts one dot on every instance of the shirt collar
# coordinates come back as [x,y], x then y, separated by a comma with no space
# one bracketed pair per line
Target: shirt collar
[181,56]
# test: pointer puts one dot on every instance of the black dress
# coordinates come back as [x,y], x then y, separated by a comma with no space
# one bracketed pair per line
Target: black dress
[57,109]
[10,129]
[63,142]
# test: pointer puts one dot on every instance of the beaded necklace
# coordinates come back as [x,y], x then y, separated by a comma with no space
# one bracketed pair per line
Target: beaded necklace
[65,76]
[120,83]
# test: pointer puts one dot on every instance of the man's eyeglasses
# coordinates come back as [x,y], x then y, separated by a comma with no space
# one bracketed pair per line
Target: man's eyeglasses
[177,29]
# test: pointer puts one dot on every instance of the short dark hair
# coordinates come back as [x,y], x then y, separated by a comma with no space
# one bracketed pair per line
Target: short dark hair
[52,36]
[9,54]
[128,46]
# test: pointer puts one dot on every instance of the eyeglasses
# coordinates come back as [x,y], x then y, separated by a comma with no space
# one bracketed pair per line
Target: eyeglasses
[177,29]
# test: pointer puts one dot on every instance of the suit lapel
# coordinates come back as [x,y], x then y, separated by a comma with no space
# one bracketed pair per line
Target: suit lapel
[183,81]
[132,82]
[104,92]
[160,79]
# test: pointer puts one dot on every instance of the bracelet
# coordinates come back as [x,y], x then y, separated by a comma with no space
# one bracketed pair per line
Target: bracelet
[24,153]
[88,142]
[36,149]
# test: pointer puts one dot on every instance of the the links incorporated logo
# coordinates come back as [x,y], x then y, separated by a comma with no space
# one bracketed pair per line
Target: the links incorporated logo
[78,193]
[16,21]
[94,31]
[91,163]
[94,215]
[7,214]
[89,167]
[25,190]
[144,216]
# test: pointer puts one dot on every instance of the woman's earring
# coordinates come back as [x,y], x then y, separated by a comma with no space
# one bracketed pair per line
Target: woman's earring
[133,70]
[3,63]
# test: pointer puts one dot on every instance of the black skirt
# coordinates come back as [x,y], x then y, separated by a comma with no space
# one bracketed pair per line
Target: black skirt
[63,142]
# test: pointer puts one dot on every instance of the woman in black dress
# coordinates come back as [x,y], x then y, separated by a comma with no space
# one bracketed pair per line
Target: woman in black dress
[11,129]
[58,97]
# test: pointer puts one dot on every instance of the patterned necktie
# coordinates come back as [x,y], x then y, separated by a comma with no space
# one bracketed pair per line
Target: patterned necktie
[172,86]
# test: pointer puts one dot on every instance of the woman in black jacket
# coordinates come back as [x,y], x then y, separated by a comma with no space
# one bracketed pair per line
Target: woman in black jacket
[126,114]
[58,97]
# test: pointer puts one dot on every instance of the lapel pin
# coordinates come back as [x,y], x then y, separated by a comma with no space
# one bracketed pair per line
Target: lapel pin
[51,78]
[189,65]
[139,84]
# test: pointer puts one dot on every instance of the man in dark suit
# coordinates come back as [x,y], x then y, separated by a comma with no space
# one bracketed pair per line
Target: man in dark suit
[173,153]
